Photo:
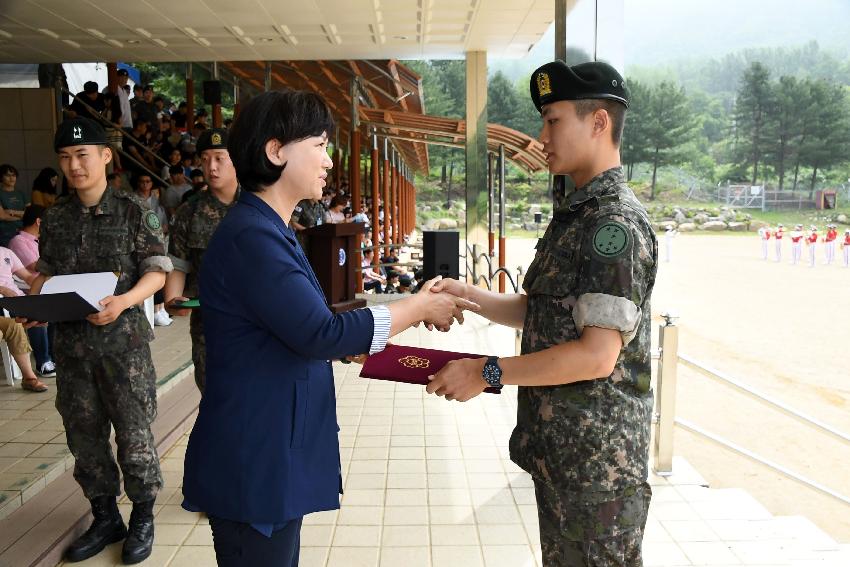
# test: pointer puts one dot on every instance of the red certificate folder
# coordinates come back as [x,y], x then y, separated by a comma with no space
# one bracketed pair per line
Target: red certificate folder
[411,365]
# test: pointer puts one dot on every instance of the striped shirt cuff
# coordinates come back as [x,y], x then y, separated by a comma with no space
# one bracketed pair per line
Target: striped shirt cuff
[383,321]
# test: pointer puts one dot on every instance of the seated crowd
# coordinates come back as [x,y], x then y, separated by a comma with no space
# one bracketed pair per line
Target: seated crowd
[164,171]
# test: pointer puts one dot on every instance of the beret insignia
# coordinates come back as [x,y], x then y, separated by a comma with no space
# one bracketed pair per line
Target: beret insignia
[544,84]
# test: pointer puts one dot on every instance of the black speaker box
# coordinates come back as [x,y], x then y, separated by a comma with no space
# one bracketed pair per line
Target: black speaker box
[441,254]
[212,92]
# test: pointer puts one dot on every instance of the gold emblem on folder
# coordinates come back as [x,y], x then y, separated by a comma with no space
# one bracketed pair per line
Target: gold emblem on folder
[411,361]
[544,86]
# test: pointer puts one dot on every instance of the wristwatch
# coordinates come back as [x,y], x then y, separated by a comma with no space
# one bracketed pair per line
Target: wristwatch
[492,372]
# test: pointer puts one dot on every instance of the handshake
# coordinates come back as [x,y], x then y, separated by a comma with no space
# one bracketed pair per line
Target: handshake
[441,302]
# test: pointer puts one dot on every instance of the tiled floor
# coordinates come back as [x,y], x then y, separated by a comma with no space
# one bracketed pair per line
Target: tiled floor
[428,483]
[32,439]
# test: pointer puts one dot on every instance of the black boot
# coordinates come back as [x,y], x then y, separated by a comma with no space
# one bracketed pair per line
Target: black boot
[139,542]
[107,527]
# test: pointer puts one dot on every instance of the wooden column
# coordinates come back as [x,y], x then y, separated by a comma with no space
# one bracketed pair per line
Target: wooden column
[354,186]
[216,108]
[394,197]
[386,199]
[376,255]
[354,171]
[112,77]
[190,98]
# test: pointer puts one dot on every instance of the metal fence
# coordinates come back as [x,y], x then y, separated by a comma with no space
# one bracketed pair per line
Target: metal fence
[669,360]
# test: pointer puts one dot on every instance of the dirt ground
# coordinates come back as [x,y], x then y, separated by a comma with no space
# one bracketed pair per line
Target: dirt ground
[782,329]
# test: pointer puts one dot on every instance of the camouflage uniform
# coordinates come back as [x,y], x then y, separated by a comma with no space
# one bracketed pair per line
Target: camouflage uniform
[194,224]
[308,214]
[107,372]
[586,444]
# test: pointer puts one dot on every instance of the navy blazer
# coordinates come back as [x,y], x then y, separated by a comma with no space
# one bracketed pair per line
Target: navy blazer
[264,448]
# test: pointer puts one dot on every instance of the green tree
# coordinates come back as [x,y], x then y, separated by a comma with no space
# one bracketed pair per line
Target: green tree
[829,117]
[785,125]
[502,101]
[670,125]
[752,113]
[634,148]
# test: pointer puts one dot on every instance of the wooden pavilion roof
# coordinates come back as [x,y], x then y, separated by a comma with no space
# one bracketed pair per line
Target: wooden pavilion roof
[387,85]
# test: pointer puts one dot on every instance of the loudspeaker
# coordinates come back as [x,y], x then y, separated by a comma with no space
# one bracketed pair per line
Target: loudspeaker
[441,254]
[212,92]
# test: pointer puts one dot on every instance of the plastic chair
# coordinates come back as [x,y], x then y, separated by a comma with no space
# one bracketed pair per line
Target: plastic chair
[10,367]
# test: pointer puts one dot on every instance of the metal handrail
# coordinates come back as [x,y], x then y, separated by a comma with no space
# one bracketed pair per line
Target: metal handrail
[665,417]
[764,398]
[784,471]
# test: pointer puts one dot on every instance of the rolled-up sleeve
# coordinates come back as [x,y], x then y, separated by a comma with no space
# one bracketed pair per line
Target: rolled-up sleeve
[178,248]
[614,277]
[150,244]
[383,321]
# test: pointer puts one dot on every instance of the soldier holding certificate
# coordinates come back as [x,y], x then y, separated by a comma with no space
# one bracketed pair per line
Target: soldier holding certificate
[584,401]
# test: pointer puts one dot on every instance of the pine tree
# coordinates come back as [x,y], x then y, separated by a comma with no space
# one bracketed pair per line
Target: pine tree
[752,112]
[670,125]
[634,147]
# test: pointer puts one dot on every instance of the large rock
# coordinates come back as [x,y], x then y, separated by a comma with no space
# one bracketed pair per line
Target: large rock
[738,226]
[842,218]
[756,225]
[532,226]
[714,226]
[687,227]
[446,224]
[680,217]
[701,218]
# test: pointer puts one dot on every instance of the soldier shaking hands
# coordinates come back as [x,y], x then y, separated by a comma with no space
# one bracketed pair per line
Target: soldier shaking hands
[584,400]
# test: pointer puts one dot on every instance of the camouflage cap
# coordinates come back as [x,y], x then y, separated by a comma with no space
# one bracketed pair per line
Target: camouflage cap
[79,132]
[558,81]
[212,139]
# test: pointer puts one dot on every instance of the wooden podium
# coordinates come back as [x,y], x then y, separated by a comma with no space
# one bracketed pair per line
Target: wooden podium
[333,251]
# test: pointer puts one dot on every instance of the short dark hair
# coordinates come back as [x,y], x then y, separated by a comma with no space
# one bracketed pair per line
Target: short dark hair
[137,178]
[616,112]
[8,168]
[31,214]
[148,88]
[196,173]
[112,176]
[287,116]
[175,169]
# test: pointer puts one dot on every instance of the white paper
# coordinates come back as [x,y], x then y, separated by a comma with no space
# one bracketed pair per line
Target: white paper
[91,287]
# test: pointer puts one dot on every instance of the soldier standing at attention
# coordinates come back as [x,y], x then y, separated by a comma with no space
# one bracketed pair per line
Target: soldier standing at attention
[107,372]
[796,244]
[829,240]
[764,235]
[194,224]
[669,235]
[811,243]
[584,401]
[780,232]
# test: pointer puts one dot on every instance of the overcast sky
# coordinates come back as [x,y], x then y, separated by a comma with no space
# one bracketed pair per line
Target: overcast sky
[658,31]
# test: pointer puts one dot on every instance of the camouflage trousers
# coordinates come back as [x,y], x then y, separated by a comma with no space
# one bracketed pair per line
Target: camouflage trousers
[110,388]
[199,349]
[594,529]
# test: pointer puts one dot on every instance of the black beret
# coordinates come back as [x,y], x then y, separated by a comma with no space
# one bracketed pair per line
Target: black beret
[595,80]
[212,139]
[79,132]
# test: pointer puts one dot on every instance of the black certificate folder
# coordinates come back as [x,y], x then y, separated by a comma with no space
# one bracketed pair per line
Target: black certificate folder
[49,308]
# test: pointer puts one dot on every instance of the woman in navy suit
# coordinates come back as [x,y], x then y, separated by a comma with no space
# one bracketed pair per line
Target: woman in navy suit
[264,450]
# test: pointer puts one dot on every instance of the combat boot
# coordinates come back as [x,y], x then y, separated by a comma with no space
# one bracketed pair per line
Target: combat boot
[139,542]
[107,527]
